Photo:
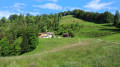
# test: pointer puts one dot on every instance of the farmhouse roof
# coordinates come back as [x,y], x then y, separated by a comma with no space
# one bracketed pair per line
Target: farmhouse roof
[50,33]
[65,33]
[41,33]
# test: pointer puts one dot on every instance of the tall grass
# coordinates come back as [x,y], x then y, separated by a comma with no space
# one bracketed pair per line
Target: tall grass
[92,53]
[89,53]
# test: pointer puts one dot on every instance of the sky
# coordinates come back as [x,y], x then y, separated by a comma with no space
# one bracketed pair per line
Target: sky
[37,7]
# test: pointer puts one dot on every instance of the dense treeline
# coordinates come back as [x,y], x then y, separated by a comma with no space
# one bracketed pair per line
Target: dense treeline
[17,36]
[19,33]
[105,17]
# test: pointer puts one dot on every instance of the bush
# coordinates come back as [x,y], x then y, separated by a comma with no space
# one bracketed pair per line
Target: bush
[29,39]
[71,34]
[15,48]
[5,47]
[0,50]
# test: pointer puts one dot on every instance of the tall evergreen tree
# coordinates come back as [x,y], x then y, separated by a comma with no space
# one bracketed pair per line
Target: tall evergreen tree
[3,20]
[116,18]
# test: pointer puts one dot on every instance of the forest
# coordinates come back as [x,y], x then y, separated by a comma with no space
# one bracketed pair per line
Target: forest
[19,33]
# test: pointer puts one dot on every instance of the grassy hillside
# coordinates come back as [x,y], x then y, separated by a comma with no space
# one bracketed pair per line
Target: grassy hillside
[70,19]
[95,45]
[93,30]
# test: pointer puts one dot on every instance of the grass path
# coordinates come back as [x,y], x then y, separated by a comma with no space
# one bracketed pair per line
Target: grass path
[62,48]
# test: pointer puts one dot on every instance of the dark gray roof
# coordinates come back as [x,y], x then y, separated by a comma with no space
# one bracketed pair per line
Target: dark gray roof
[65,33]
[50,33]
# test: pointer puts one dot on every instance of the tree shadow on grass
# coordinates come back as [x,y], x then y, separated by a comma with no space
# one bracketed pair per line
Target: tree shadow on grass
[108,25]
[111,30]
[88,20]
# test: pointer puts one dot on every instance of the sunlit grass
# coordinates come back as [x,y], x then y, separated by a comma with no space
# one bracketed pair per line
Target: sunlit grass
[48,44]
[88,53]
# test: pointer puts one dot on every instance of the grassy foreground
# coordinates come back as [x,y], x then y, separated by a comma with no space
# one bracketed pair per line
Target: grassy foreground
[95,45]
[91,53]
[85,53]
[29,59]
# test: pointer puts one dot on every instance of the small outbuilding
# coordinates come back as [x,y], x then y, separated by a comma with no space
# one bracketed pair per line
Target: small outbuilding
[66,35]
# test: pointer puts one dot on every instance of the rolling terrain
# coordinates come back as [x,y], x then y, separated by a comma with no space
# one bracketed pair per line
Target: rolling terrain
[95,45]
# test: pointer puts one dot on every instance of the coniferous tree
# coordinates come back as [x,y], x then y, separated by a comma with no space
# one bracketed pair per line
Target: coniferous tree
[116,18]
[3,19]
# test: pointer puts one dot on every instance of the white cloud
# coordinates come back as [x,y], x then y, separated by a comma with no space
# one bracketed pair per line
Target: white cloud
[47,0]
[96,5]
[53,6]
[18,5]
[5,14]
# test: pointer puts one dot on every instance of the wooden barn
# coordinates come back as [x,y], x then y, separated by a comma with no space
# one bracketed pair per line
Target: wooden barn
[66,35]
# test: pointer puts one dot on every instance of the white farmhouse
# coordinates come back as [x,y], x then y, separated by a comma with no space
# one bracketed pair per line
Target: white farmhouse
[49,35]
